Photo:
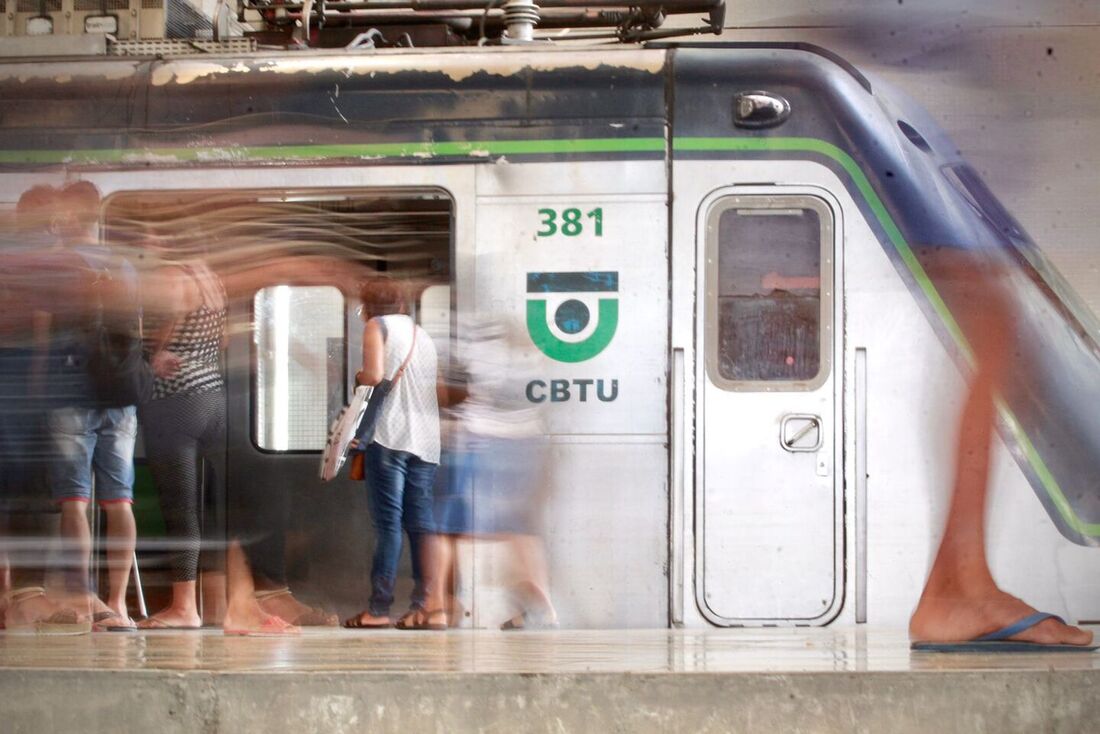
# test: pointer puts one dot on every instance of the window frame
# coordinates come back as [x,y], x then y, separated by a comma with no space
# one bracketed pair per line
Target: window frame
[827,240]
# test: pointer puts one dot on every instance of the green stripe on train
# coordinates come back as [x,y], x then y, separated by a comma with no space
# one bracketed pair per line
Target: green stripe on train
[367,151]
[821,147]
[478,149]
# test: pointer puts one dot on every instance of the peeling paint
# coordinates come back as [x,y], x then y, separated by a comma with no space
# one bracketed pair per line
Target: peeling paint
[63,73]
[147,156]
[456,64]
[185,72]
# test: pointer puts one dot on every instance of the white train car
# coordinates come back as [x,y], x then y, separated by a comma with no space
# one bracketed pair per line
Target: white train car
[750,376]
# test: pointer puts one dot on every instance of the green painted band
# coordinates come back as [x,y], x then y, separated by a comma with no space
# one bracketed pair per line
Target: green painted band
[905,252]
[593,145]
[367,151]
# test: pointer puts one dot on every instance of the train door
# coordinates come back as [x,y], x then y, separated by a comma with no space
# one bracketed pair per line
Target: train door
[290,259]
[768,535]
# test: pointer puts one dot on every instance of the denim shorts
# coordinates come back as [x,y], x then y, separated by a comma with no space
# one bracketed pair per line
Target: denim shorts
[92,440]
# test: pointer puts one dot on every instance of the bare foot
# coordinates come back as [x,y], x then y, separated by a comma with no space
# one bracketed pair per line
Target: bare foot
[247,617]
[954,616]
[282,603]
[171,617]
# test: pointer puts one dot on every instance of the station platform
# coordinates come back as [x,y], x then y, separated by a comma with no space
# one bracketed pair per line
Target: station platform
[854,679]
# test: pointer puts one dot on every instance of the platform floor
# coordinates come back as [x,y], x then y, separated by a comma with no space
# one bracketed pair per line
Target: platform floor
[810,680]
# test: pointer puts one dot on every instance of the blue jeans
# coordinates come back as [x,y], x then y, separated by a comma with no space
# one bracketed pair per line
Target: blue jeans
[91,440]
[399,493]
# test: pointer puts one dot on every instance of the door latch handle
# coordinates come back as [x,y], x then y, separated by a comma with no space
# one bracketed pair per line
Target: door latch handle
[800,433]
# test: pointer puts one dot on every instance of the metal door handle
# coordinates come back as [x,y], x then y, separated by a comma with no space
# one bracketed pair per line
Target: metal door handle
[794,429]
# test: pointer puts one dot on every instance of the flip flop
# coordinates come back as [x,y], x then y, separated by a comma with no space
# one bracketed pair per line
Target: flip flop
[155,623]
[99,617]
[357,623]
[272,626]
[311,617]
[316,617]
[526,621]
[999,641]
[418,619]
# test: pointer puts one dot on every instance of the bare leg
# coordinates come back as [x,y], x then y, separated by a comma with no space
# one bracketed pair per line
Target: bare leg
[76,538]
[243,613]
[182,612]
[121,539]
[436,570]
[533,586]
[961,601]
[213,597]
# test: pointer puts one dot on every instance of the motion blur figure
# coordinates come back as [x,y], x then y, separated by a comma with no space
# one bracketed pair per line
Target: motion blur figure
[961,600]
[189,296]
[184,420]
[494,484]
[28,294]
[93,432]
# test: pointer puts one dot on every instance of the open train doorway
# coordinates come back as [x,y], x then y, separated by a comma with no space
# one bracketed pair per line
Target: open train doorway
[291,262]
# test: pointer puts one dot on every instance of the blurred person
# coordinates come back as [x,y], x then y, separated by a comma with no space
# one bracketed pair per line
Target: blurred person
[401,456]
[494,465]
[183,421]
[92,428]
[961,601]
[29,287]
[184,424]
[269,507]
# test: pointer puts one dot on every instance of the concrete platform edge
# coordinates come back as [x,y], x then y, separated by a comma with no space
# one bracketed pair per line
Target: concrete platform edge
[943,702]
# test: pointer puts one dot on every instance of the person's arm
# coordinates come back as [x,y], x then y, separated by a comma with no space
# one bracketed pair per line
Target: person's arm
[374,368]
[168,300]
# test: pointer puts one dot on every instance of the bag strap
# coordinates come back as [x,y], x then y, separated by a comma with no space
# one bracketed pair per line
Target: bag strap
[401,369]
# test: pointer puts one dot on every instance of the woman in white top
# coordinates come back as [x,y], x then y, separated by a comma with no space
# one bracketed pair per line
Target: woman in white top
[403,453]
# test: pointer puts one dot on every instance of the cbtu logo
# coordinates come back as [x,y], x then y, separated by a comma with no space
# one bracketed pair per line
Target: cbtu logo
[559,313]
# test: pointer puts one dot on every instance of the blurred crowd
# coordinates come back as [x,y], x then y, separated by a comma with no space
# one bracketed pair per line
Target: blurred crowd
[113,350]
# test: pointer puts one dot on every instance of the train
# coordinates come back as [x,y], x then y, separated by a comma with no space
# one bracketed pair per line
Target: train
[627,205]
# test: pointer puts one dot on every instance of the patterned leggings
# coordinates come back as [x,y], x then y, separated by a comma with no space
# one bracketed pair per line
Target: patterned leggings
[180,431]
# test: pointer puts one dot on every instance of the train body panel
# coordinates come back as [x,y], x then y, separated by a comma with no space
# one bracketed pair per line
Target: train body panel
[607,203]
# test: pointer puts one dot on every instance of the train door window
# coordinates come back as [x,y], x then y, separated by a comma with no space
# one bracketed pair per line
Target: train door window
[300,356]
[769,292]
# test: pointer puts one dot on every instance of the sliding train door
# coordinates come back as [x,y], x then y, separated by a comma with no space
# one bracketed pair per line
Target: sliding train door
[291,251]
[768,386]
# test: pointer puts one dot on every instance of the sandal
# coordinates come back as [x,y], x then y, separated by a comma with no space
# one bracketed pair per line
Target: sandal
[156,623]
[316,617]
[272,626]
[421,619]
[60,622]
[311,617]
[100,624]
[357,623]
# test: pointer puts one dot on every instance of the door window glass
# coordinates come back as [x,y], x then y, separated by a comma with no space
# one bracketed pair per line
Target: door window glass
[769,279]
[300,357]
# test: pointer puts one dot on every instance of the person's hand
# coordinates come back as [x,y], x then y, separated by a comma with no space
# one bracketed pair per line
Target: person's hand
[165,364]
